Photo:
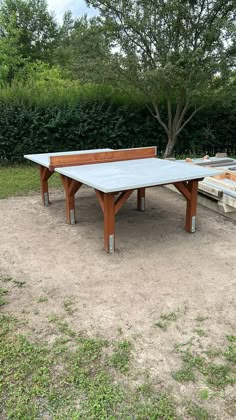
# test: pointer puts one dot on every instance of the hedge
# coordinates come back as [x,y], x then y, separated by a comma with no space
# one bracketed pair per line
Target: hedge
[100,122]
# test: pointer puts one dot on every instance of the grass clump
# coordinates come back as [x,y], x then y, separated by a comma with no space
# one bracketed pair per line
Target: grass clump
[42,299]
[69,306]
[19,284]
[230,353]
[121,356]
[42,381]
[197,412]
[216,375]
[22,179]
[200,332]
[3,292]
[5,279]
[166,319]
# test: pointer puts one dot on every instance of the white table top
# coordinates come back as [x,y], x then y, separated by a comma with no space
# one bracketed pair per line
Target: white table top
[133,174]
[43,158]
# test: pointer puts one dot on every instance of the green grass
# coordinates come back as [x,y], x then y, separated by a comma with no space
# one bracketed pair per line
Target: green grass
[42,299]
[121,356]
[5,279]
[19,284]
[69,306]
[21,180]
[166,319]
[200,332]
[197,412]
[67,379]
[216,375]
[3,292]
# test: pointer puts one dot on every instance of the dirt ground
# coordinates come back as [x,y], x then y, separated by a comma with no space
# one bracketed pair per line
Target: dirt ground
[157,269]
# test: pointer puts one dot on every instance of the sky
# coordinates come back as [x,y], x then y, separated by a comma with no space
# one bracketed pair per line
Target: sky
[78,8]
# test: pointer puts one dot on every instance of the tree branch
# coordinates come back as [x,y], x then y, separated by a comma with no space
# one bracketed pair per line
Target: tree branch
[187,121]
[158,117]
[169,114]
[179,122]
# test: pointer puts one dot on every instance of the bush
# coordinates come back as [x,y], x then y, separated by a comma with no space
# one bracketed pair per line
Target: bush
[43,118]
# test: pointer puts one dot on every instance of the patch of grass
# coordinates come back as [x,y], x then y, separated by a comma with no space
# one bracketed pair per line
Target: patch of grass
[217,376]
[69,306]
[22,179]
[60,345]
[231,338]
[42,299]
[62,326]
[120,331]
[19,284]
[212,353]
[121,356]
[3,292]
[185,374]
[200,332]
[166,319]
[230,353]
[197,412]
[53,318]
[47,381]
[5,279]
[204,394]
[201,318]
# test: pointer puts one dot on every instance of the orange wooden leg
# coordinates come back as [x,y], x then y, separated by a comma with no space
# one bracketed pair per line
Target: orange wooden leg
[109,223]
[45,174]
[141,199]
[191,210]
[71,187]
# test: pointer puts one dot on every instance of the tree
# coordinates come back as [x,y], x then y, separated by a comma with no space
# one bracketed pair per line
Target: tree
[10,58]
[175,52]
[84,49]
[29,28]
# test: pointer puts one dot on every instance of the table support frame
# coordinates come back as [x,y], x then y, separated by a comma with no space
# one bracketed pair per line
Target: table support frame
[45,174]
[110,204]
[189,190]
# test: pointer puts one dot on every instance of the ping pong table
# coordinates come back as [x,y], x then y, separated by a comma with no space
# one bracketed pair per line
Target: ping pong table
[114,175]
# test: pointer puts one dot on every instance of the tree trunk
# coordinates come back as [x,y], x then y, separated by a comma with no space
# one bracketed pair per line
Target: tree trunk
[175,124]
[170,147]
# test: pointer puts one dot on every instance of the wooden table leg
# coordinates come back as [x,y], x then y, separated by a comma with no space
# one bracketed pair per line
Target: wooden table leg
[141,199]
[189,191]
[191,210]
[71,187]
[45,174]
[109,223]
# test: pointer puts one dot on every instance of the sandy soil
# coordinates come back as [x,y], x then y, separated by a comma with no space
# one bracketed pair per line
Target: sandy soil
[157,269]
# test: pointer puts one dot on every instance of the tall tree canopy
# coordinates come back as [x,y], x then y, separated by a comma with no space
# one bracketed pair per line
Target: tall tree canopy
[84,50]
[28,33]
[172,51]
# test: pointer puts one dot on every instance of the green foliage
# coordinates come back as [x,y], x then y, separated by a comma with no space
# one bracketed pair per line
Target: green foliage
[167,319]
[58,381]
[30,26]
[84,50]
[3,292]
[217,376]
[177,51]
[121,356]
[20,180]
[28,34]
[48,116]
[197,412]
[91,123]
[230,353]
